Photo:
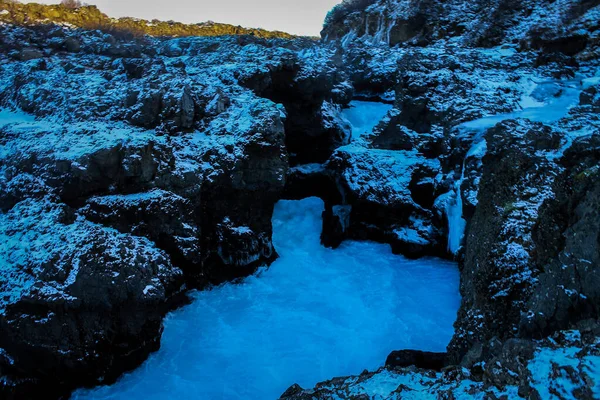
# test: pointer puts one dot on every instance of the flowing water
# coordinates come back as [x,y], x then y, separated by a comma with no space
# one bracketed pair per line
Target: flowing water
[364,116]
[316,313]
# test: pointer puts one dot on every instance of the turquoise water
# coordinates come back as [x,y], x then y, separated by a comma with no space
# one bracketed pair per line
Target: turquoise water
[316,313]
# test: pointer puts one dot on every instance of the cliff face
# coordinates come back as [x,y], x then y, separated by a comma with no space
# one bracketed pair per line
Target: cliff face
[561,25]
[494,121]
[132,169]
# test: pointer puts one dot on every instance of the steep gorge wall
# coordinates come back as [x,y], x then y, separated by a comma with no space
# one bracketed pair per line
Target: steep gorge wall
[567,25]
[521,264]
[132,170]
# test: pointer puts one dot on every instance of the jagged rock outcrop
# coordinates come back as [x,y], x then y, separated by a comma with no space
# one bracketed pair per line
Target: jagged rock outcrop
[397,178]
[569,235]
[80,302]
[566,26]
[377,185]
[498,272]
[530,265]
[562,365]
[136,168]
[313,126]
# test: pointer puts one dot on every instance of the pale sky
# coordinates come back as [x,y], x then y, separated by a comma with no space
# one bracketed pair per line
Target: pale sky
[302,17]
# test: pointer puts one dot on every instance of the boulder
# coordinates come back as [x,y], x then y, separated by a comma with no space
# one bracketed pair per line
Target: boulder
[72,45]
[81,303]
[336,222]
[30,54]
[419,359]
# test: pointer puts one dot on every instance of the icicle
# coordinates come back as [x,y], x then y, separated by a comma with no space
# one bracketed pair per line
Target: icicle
[389,32]
[454,212]
[349,37]
[454,207]
[378,38]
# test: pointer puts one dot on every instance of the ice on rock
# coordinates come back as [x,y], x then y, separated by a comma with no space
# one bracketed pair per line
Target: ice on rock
[364,116]
[557,97]
[548,102]
[314,314]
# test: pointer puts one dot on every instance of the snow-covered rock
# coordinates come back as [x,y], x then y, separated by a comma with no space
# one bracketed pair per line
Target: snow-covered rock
[77,297]
[152,160]
[566,366]
[567,25]
[162,159]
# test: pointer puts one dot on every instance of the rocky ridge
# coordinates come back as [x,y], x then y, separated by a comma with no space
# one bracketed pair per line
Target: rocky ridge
[132,169]
[91,18]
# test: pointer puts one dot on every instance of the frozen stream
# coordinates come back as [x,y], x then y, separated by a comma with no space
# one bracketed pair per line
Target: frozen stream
[314,314]
[549,102]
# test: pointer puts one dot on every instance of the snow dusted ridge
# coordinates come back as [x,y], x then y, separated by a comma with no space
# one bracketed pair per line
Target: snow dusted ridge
[129,171]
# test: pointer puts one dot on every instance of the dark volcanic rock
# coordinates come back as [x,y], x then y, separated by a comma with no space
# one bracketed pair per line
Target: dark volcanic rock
[420,359]
[314,128]
[336,221]
[531,258]
[376,186]
[165,218]
[30,54]
[478,23]
[84,303]
[569,235]
[498,274]
[153,179]
[308,180]
[72,45]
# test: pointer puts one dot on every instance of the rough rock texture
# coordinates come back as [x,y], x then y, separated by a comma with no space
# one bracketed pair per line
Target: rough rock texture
[531,250]
[376,185]
[468,83]
[132,168]
[419,359]
[78,298]
[398,178]
[562,366]
[498,273]
[565,26]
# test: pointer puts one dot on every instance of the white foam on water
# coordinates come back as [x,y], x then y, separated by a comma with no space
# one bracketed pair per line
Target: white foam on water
[316,313]
[364,116]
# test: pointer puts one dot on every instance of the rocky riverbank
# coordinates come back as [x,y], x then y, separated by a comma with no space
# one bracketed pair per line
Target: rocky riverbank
[134,168]
[492,139]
